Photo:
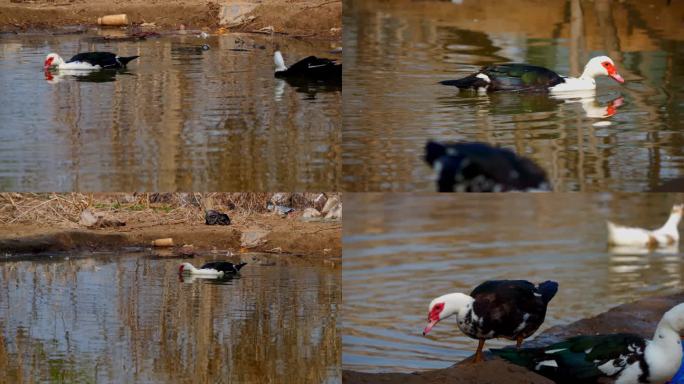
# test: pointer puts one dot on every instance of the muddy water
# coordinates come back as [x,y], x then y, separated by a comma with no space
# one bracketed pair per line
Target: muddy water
[396,52]
[179,118]
[401,251]
[128,318]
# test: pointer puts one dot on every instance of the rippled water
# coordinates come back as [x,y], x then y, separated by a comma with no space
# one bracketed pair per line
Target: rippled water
[396,52]
[128,318]
[401,251]
[179,118]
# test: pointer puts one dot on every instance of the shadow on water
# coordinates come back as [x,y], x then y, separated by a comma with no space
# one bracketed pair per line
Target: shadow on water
[401,251]
[128,318]
[180,117]
[397,52]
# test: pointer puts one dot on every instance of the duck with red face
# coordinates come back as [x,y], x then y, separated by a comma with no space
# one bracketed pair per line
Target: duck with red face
[531,78]
[510,309]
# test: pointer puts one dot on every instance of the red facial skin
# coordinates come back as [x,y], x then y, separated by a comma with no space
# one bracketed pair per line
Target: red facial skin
[433,317]
[48,62]
[180,269]
[612,72]
[613,106]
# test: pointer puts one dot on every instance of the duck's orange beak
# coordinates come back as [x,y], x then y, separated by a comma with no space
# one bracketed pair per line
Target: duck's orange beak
[612,72]
[431,324]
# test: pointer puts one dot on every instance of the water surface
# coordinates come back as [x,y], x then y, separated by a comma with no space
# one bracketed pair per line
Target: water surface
[401,251]
[625,138]
[128,318]
[180,118]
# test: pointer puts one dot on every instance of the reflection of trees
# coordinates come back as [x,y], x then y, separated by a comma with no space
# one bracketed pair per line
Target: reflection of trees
[141,324]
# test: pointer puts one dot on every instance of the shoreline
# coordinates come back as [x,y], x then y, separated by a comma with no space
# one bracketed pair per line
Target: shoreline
[639,317]
[300,19]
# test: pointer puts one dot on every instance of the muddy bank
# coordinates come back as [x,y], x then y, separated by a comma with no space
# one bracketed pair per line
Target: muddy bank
[307,18]
[289,241]
[640,317]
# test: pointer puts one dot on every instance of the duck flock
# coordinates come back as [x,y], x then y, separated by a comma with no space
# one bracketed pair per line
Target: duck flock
[310,68]
[480,167]
[515,309]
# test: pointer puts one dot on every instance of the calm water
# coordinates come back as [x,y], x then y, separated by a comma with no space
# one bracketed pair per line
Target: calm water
[128,318]
[401,251]
[178,119]
[396,52]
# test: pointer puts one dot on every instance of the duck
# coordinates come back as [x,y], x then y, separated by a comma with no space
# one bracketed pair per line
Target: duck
[312,67]
[667,235]
[88,61]
[525,77]
[620,358]
[212,217]
[510,309]
[480,167]
[211,269]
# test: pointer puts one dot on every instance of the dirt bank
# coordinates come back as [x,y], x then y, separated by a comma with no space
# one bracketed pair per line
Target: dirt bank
[640,317]
[289,240]
[310,18]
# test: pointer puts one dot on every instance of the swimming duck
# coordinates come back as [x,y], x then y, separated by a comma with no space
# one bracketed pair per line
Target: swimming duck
[479,167]
[213,269]
[666,235]
[511,309]
[88,61]
[311,67]
[525,77]
[615,358]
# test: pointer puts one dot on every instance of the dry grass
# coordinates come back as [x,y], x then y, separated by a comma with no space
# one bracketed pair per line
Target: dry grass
[55,208]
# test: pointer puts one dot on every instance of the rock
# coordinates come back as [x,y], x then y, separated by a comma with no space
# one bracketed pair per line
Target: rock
[253,238]
[310,213]
[187,250]
[91,220]
[281,198]
[335,213]
[332,202]
[166,242]
[233,14]
[319,201]
[279,209]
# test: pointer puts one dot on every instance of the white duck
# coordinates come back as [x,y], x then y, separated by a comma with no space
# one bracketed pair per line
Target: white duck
[666,235]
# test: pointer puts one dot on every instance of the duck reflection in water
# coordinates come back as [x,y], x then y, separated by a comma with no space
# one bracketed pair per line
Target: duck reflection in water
[101,76]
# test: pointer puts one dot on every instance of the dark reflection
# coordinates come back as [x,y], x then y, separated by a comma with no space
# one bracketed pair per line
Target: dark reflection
[308,87]
[102,76]
[223,280]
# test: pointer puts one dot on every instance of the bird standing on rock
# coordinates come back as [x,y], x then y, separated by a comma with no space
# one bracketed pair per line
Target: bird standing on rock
[511,309]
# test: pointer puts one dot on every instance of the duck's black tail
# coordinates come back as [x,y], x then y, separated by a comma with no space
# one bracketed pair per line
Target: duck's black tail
[471,81]
[239,266]
[127,59]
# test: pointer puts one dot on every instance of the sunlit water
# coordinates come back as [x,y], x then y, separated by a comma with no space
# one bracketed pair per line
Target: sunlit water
[179,118]
[401,251]
[128,318]
[396,53]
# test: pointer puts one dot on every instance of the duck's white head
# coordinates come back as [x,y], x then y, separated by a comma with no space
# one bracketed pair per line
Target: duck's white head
[674,318]
[602,66]
[445,306]
[52,60]
[185,268]
[279,62]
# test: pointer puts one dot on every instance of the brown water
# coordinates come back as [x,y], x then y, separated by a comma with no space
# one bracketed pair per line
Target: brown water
[401,251]
[128,318]
[178,119]
[397,51]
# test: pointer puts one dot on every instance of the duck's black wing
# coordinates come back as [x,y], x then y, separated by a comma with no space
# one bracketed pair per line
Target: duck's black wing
[224,266]
[314,68]
[520,77]
[103,59]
